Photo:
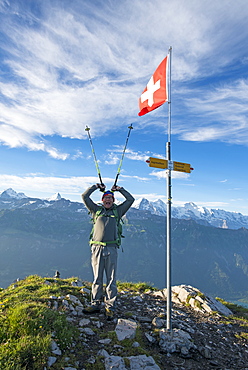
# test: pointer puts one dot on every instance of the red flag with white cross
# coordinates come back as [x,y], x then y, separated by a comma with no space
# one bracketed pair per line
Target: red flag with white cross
[155,93]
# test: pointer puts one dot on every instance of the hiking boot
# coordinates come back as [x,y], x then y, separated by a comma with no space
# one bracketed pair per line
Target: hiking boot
[109,314]
[91,309]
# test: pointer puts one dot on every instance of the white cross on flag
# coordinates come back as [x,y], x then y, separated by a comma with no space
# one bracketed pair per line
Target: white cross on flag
[155,93]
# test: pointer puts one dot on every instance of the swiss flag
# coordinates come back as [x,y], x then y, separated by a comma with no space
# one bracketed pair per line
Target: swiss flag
[155,93]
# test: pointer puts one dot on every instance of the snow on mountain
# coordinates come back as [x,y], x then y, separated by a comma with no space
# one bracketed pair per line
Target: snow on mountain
[144,205]
[159,207]
[10,199]
[190,211]
[55,196]
[10,193]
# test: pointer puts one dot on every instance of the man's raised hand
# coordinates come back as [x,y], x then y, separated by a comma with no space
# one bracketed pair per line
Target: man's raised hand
[115,188]
[102,187]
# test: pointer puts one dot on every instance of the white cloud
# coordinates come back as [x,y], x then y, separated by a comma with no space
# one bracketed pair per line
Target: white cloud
[139,178]
[220,205]
[44,184]
[174,174]
[86,65]
[213,204]
[150,196]
[219,114]
[15,137]
[113,158]
[78,154]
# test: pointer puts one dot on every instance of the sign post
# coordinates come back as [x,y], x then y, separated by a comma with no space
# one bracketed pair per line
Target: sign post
[182,167]
[157,163]
[164,164]
[158,91]
[168,249]
[170,166]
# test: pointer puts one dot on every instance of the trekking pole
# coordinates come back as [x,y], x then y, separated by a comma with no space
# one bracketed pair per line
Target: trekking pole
[94,155]
[123,153]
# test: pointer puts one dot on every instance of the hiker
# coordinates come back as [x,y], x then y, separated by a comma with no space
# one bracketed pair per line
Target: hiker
[105,240]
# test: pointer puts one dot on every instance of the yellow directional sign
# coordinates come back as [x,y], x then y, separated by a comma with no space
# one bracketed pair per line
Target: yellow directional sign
[163,163]
[157,162]
[181,167]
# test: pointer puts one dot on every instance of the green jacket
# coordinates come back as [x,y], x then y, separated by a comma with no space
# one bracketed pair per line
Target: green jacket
[105,224]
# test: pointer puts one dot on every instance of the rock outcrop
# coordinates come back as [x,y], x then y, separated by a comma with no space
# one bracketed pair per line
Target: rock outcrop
[186,294]
[201,337]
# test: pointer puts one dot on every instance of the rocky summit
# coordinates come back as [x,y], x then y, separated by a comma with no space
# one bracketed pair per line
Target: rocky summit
[205,334]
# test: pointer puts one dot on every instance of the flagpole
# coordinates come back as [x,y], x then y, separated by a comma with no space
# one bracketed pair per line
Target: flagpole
[168,153]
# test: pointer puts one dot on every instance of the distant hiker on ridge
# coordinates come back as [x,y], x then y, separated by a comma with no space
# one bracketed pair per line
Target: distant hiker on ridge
[104,240]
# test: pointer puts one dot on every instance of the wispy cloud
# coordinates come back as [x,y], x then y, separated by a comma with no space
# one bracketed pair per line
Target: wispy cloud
[87,64]
[150,196]
[139,178]
[115,154]
[50,185]
[219,114]
[174,174]
[213,204]
[78,154]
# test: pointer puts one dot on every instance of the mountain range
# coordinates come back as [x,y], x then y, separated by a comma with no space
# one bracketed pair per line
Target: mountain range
[40,236]
[10,199]
[190,211]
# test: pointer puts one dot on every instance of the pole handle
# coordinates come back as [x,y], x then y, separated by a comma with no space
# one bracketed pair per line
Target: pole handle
[101,182]
[116,179]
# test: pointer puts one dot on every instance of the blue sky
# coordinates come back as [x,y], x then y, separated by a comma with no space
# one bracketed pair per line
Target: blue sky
[68,64]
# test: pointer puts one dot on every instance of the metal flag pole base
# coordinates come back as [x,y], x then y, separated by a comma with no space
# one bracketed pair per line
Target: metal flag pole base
[168,249]
[169,185]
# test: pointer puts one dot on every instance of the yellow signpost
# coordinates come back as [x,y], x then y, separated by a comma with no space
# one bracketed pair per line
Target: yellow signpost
[163,164]
[157,162]
[181,167]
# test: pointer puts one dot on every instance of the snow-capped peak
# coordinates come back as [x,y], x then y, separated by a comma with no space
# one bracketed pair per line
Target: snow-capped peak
[214,217]
[55,196]
[157,207]
[10,193]
[140,202]
[197,210]
[143,204]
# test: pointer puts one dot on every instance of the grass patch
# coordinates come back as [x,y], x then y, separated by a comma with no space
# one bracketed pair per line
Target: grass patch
[128,314]
[135,287]
[198,304]
[242,335]
[98,365]
[30,352]
[237,310]
[201,295]
[240,315]
[28,324]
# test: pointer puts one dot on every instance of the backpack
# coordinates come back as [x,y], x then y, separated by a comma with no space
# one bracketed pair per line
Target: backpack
[119,223]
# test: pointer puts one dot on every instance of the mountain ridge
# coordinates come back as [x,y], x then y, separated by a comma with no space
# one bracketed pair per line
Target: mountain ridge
[41,239]
[190,211]
[10,199]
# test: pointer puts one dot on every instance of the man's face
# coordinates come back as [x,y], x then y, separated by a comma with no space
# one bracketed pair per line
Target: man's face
[108,201]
